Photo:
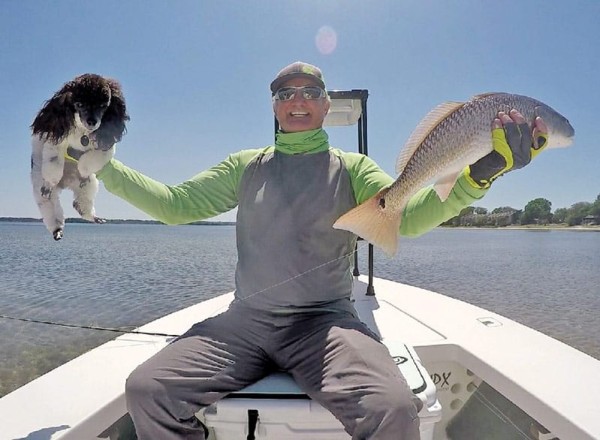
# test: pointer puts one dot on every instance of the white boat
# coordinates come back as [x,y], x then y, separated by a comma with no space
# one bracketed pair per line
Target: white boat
[479,374]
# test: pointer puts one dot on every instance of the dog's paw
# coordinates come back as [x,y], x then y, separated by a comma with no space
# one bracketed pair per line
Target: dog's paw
[93,161]
[58,234]
[85,210]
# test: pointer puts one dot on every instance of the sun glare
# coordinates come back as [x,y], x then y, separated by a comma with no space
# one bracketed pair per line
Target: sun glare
[326,40]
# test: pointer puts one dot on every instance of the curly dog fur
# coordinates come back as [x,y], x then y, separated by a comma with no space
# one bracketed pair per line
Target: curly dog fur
[86,114]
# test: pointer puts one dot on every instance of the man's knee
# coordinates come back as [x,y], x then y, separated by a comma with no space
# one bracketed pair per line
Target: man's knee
[141,385]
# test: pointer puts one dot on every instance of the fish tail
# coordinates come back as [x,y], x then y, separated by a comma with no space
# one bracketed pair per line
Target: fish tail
[373,223]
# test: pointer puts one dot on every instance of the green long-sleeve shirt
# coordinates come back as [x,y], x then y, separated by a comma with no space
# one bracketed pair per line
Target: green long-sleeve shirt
[290,258]
[215,191]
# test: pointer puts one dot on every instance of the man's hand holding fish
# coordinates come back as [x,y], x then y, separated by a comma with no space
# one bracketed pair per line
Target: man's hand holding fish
[514,143]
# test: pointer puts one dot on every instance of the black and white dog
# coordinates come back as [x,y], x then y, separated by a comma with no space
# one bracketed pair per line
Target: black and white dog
[87,113]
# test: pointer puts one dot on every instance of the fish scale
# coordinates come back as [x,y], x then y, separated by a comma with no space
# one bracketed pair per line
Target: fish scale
[452,136]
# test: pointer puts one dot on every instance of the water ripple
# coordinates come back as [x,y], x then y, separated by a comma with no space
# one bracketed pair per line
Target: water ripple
[127,275]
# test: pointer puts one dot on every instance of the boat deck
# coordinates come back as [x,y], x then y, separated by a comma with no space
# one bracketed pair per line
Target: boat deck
[552,382]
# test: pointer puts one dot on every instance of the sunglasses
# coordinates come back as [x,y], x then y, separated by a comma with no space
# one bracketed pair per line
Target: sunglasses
[308,92]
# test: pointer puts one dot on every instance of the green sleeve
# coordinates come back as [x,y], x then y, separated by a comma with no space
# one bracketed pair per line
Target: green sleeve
[424,211]
[209,193]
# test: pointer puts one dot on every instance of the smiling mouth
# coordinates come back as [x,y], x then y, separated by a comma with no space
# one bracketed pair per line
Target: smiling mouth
[298,114]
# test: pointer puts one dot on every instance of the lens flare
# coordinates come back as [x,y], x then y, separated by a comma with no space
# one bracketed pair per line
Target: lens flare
[326,40]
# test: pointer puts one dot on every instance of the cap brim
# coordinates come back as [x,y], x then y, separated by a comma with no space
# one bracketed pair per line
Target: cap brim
[278,82]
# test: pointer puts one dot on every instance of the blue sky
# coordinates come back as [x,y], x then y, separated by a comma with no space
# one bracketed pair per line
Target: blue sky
[196,73]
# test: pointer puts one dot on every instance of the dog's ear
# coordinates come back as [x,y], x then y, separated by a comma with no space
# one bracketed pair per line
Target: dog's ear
[113,126]
[56,117]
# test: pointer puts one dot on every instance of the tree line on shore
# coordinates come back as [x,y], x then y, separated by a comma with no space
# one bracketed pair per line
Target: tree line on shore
[536,212]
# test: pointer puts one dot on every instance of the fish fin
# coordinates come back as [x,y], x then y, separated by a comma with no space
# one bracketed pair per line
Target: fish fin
[444,185]
[485,95]
[428,123]
[376,225]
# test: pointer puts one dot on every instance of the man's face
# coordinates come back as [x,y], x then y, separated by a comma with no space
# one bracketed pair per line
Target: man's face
[299,114]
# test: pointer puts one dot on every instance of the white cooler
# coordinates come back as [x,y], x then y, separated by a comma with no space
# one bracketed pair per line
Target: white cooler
[275,408]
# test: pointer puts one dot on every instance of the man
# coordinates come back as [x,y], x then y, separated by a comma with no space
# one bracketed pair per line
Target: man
[292,308]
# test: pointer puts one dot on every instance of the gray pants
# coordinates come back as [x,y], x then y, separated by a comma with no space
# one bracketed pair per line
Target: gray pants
[332,356]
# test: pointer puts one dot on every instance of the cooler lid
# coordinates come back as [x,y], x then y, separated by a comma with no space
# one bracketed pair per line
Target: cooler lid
[281,384]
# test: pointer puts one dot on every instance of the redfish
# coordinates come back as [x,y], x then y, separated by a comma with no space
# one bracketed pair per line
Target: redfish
[452,136]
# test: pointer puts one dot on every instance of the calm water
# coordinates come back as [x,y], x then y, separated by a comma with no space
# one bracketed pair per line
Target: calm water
[127,275]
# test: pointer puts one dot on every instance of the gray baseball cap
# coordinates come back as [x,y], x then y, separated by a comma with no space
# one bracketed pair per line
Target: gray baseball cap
[298,69]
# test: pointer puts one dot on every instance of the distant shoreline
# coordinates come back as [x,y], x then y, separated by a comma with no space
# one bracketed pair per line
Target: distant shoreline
[112,221]
[557,227]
